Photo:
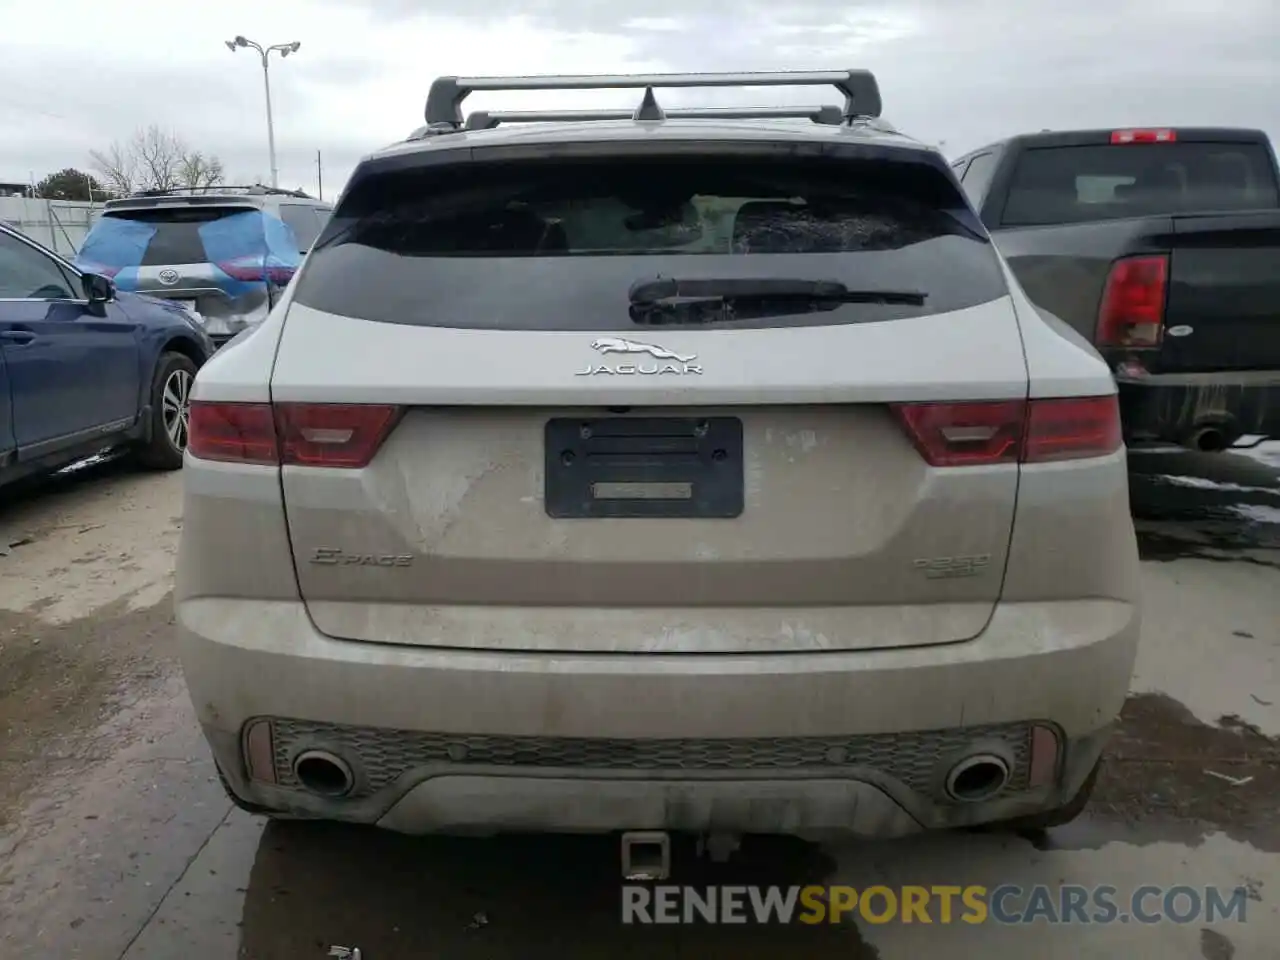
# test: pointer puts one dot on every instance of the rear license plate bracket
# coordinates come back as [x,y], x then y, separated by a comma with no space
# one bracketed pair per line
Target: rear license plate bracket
[617,467]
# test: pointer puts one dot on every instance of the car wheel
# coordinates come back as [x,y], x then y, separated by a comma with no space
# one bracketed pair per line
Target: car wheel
[170,405]
[1039,822]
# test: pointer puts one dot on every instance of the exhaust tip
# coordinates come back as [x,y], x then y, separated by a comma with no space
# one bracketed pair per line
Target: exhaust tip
[1212,437]
[324,774]
[1211,441]
[977,778]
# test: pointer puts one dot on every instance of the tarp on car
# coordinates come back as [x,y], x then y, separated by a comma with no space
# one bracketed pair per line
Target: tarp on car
[246,246]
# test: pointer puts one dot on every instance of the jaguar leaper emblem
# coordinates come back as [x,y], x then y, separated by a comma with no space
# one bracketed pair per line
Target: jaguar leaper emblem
[663,361]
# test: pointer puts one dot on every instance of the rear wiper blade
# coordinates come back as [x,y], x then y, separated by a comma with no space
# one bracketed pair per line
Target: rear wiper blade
[675,302]
[760,290]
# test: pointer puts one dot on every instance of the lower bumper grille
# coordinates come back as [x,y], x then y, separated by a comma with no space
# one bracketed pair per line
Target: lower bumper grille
[382,755]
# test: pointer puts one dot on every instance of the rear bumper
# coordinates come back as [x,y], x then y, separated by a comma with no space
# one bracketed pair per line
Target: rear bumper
[1173,408]
[808,743]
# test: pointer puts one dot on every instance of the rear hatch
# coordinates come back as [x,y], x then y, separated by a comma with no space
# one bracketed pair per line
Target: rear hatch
[225,260]
[1204,202]
[656,390]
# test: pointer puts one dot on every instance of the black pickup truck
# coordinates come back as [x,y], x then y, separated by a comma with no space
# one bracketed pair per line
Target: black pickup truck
[1162,247]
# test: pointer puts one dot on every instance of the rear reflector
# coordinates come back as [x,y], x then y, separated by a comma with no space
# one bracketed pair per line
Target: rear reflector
[1144,136]
[1012,431]
[1132,310]
[1044,757]
[301,434]
[259,753]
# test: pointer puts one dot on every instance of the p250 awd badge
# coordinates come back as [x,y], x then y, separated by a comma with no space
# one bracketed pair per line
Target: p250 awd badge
[334,557]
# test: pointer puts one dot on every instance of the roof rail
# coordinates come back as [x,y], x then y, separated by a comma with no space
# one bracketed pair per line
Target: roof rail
[253,189]
[488,119]
[859,87]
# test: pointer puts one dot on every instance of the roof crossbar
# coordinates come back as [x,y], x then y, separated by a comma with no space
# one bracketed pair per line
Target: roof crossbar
[488,119]
[859,87]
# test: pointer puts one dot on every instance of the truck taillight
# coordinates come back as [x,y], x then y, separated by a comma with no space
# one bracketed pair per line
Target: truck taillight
[984,433]
[1132,310]
[1144,136]
[301,434]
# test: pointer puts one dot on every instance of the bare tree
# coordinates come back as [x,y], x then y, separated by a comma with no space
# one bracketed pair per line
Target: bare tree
[197,170]
[159,154]
[155,159]
[118,168]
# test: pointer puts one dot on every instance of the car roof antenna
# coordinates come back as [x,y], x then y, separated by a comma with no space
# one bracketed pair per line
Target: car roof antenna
[649,108]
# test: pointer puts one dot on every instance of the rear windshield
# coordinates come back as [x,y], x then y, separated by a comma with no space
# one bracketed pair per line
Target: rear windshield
[186,235]
[539,245]
[305,222]
[1078,184]
[175,232]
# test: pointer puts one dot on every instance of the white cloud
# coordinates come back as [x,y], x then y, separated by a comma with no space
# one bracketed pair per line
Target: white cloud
[965,71]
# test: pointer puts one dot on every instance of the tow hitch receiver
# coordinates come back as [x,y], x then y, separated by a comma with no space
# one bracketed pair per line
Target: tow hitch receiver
[646,855]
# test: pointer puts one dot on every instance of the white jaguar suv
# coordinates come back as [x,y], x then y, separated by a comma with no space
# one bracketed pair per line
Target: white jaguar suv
[686,470]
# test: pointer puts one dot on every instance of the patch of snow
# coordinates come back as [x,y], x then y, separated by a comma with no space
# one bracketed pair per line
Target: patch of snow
[1256,513]
[1266,453]
[1203,483]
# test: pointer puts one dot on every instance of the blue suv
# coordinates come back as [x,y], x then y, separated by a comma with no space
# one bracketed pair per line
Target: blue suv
[84,367]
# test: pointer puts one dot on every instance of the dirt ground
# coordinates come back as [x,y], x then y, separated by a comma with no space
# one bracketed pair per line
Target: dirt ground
[116,842]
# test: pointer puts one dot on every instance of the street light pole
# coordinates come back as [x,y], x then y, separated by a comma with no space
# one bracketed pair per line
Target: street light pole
[271,127]
[284,49]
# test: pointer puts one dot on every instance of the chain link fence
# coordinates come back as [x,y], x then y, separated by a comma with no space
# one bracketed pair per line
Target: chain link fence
[61,225]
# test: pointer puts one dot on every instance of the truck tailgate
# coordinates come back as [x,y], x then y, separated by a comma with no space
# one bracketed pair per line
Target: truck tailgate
[1223,310]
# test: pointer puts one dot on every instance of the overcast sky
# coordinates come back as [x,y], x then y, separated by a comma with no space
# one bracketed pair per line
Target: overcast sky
[76,75]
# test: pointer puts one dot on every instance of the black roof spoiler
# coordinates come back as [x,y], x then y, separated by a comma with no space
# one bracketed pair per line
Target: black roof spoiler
[221,190]
[444,101]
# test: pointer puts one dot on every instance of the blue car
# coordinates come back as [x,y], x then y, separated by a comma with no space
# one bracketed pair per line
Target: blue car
[85,367]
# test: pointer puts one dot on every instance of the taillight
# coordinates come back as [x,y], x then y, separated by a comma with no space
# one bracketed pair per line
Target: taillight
[301,434]
[99,268]
[1012,431]
[251,270]
[1144,136]
[232,432]
[332,434]
[965,434]
[1071,429]
[1133,301]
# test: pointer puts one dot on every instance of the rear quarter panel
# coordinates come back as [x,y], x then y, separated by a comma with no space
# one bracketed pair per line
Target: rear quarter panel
[1073,536]
[1063,268]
